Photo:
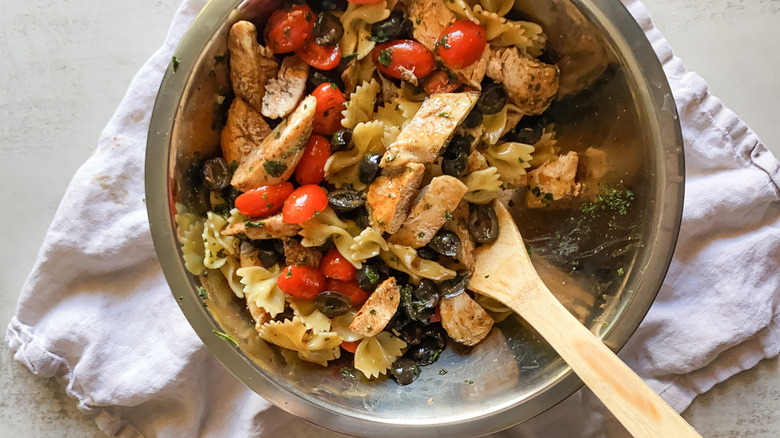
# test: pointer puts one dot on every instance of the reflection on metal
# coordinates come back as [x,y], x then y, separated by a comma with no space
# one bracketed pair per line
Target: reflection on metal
[614,101]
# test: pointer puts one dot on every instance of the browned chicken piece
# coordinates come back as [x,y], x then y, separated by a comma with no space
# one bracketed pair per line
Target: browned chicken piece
[591,170]
[297,254]
[283,92]
[476,162]
[472,75]
[390,91]
[464,320]
[459,226]
[433,206]
[357,72]
[552,181]
[429,17]
[251,65]
[390,196]
[430,128]
[378,309]
[274,160]
[244,131]
[529,83]
[273,227]
[248,255]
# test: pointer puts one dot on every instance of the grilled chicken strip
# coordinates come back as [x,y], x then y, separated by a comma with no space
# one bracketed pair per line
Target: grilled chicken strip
[378,309]
[459,226]
[251,65]
[273,227]
[529,83]
[283,92]
[433,206]
[552,181]
[433,125]
[275,159]
[464,320]
[297,254]
[390,196]
[244,130]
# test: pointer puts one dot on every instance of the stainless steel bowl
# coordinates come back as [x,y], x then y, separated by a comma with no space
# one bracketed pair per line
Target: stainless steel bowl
[605,267]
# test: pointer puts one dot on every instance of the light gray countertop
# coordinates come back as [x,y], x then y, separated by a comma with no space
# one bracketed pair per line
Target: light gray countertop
[66,65]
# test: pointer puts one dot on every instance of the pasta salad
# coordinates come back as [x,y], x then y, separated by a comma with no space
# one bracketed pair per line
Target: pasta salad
[364,143]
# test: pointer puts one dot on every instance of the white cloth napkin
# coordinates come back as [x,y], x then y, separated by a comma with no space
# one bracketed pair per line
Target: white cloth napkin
[96,309]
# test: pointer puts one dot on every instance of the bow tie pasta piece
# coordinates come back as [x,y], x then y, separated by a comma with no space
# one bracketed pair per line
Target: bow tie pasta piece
[189,230]
[217,246]
[484,185]
[343,167]
[369,243]
[357,20]
[511,159]
[498,7]
[229,271]
[405,259]
[260,288]
[320,357]
[526,36]
[292,334]
[326,225]
[312,318]
[360,106]
[374,356]
[496,125]
[546,149]
[340,325]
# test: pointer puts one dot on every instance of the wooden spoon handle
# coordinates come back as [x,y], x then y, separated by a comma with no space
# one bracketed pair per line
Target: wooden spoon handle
[643,412]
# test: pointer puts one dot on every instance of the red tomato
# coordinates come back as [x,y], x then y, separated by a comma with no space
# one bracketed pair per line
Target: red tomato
[348,288]
[311,168]
[441,82]
[336,266]
[288,30]
[304,203]
[461,43]
[263,201]
[320,57]
[330,103]
[436,315]
[351,346]
[303,282]
[408,54]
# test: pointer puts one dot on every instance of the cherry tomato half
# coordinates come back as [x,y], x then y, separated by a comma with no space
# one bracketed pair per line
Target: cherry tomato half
[304,203]
[303,282]
[441,81]
[263,201]
[330,103]
[461,43]
[288,30]
[351,346]
[311,168]
[336,266]
[390,58]
[348,288]
[320,57]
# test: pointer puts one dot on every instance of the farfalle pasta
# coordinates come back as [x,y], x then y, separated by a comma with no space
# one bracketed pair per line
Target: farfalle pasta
[344,226]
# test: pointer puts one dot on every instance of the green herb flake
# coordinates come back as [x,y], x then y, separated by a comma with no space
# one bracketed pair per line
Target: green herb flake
[390,158]
[202,293]
[220,59]
[487,276]
[254,224]
[307,16]
[175,61]
[536,191]
[221,253]
[443,372]
[385,57]
[277,135]
[470,382]
[447,215]
[348,372]
[621,271]
[421,235]
[443,42]
[275,168]
[528,249]
[372,275]
[444,115]
[288,274]
[521,160]
[417,21]
[372,311]
[225,337]
[548,198]
[287,33]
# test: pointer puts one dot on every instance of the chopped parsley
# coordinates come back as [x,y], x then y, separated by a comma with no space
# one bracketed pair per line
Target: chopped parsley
[307,16]
[521,160]
[372,311]
[202,293]
[225,337]
[371,274]
[536,191]
[220,59]
[221,253]
[254,224]
[175,61]
[390,158]
[277,135]
[620,272]
[548,198]
[287,33]
[447,215]
[443,42]
[444,115]
[443,372]
[385,57]
[420,235]
[288,274]
[470,382]
[275,168]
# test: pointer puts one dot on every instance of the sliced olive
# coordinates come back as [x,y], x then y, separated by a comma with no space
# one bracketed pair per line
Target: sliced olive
[529,130]
[445,243]
[405,371]
[341,140]
[343,200]
[426,293]
[394,27]
[267,252]
[319,77]
[428,254]
[373,272]
[473,120]
[483,224]
[411,332]
[369,167]
[421,309]
[287,314]
[332,304]
[492,99]
[425,353]
[456,156]
[216,173]
[328,29]
[436,332]
[456,285]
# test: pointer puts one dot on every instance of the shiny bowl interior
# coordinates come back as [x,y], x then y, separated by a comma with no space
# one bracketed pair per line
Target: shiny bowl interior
[605,266]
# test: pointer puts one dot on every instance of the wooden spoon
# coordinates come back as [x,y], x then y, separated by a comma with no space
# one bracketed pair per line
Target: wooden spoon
[504,272]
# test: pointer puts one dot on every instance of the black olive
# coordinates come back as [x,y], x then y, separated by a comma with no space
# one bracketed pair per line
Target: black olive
[435,332]
[411,333]
[369,167]
[333,304]
[334,5]
[483,224]
[492,99]
[401,278]
[405,371]
[341,140]
[472,120]
[425,353]
[428,254]
[344,199]
[230,194]
[456,285]
[456,156]
[319,77]
[445,243]
[216,173]
[419,309]
[360,216]
[327,30]
[529,130]
[267,252]
[426,293]
[287,314]
[394,27]
[373,272]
